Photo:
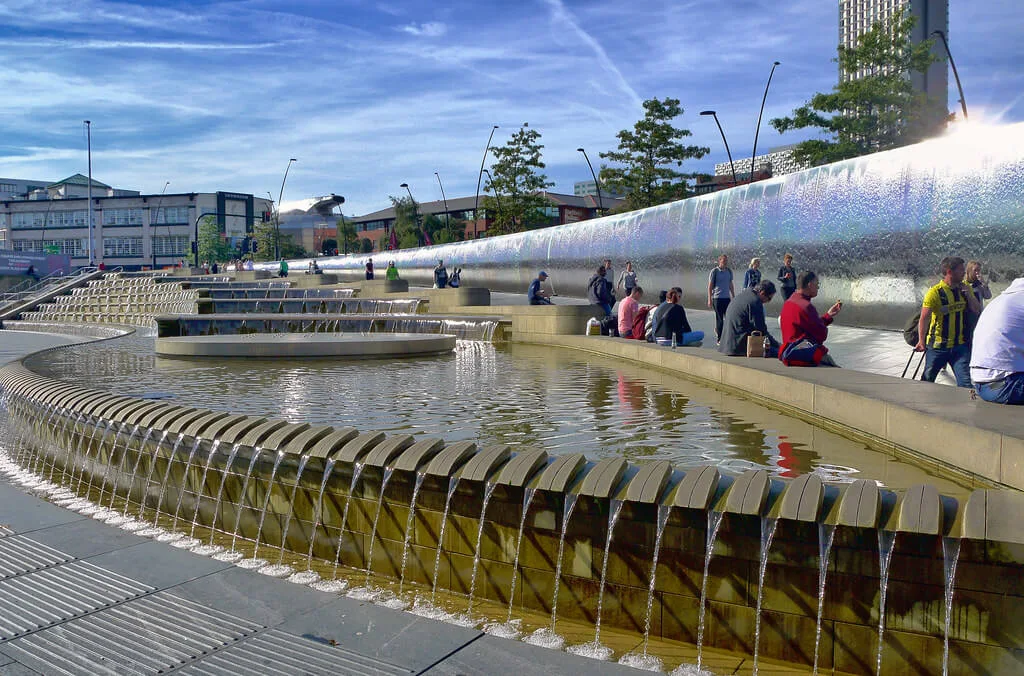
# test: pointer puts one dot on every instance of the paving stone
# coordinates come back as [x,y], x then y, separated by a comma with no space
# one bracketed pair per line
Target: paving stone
[502,656]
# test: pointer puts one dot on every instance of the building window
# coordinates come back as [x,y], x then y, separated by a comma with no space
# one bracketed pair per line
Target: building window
[122,246]
[68,247]
[8,187]
[169,215]
[170,245]
[122,217]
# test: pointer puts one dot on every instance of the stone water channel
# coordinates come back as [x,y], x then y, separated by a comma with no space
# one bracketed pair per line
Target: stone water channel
[493,500]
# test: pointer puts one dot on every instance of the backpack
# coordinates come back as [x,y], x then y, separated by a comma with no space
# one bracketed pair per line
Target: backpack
[910,334]
[640,322]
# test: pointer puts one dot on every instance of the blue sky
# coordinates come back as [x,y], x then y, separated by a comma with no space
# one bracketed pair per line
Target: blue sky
[367,95]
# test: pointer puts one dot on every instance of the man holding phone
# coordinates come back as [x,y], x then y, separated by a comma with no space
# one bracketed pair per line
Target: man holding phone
[804,331]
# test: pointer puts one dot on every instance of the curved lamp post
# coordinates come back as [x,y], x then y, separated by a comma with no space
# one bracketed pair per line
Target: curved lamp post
[152,239]
[731,165]
[277,221]
[757,129]
[496,198]
[479,175]
[415,210]
[447,217]
[956,76]
[597,184]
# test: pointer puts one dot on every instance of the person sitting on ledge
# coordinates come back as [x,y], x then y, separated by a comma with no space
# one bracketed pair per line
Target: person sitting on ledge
[672,322]
[537,295]
[628,308]
[997,358]
[599,291]
[803,330]
[652,316]
[391,273]
[746,315]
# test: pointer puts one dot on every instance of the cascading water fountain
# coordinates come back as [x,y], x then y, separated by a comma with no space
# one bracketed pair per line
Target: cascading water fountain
[950,556]
[255,561]
[220,495]
[452,484]
[388,472]
[357,470]
[826,534]
[231,555]
[190,541]
[546,636]
[309,575]
[181,492]
[409,522]
[135,469]
[527,499]
[644,660]
[768,527]
[714,523]
[120,467]
[280,570]
[594,649]
[886,545]
[488,492]
[149,479]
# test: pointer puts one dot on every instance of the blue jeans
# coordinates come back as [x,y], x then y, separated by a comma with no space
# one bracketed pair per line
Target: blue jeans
[958,358]
[1009,390]
[607,309]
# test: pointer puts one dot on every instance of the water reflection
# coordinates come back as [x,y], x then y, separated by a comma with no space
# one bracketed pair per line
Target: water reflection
[524,396]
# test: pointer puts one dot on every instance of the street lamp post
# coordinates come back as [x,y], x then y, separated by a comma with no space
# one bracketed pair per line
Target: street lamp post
[88,134]
[447,216]
[757,129]
[956,76]
[152,226]
[277,221]
[496,197]
[476,201]
[415,210]
[731,165]
[597,184]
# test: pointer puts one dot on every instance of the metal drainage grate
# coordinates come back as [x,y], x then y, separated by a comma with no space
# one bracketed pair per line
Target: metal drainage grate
[275,652]
[46,597]
[147,635]
[20,555]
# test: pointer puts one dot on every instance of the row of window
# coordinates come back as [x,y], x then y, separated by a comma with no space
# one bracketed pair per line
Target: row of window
[80,218]
[113,247]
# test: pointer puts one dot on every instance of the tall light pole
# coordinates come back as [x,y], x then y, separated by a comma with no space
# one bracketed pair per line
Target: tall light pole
[597,184]
[277,221]
[956,76]
[152,226]
[757,129]
[496,198]
[731,165]
[88,136]
[415,210]
[479,175]
[447,216]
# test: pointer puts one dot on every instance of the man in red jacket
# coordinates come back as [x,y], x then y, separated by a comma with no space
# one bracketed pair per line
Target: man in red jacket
[801,323]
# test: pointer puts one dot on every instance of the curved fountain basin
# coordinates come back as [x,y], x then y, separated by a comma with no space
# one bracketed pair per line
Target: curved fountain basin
[346,345]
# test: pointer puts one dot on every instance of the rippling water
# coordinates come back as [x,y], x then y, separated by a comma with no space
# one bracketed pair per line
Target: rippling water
[549,398]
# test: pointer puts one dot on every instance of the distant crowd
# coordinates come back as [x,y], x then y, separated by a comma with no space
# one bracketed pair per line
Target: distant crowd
[983,347]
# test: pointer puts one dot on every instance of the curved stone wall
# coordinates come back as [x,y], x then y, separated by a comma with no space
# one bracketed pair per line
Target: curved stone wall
[238,478]
[875,229]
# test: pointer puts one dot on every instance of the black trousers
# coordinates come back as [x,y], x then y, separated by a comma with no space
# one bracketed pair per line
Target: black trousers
[721,304]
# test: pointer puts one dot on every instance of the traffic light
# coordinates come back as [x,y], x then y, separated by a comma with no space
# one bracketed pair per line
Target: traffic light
[195,247]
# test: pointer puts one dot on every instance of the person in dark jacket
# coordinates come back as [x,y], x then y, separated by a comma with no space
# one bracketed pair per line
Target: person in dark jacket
[440,276]
[672,321]
[746,315]
[787,277]
[599,291]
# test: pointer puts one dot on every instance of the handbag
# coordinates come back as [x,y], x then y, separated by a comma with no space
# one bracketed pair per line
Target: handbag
[755,344]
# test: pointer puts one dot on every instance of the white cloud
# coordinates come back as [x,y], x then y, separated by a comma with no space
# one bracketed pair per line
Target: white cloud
[430,29]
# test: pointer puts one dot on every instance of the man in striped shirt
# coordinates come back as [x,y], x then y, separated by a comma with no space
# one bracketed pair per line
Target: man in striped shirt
[941,329]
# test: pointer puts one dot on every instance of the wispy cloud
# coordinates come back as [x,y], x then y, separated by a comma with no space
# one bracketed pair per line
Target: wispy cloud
[430,29]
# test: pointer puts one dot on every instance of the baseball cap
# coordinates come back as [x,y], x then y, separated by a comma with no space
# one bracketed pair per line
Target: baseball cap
[542,274]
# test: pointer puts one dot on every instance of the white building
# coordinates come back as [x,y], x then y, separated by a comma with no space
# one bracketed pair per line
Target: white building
[776,162]
[129,229]
[856,17]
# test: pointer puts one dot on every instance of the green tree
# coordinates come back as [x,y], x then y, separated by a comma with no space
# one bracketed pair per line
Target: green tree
[876,111]
[264,235]
[366,245]
[348,240]
[328,246]
[649,152]
[518,181]
[212,246]
[407,228]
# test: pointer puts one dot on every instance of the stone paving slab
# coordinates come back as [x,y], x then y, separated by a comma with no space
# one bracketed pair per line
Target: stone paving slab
[24,513]
[86,537]
[515,657]
[158,564]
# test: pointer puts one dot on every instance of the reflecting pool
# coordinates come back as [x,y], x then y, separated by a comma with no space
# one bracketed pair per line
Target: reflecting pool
[529,397]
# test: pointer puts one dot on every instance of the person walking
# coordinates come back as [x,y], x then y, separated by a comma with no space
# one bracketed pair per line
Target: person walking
[942,328]
[282,270]
[627,279]
[981,291]
[440,275]
[720,292]
[369,269]
[752,277]
[787,277]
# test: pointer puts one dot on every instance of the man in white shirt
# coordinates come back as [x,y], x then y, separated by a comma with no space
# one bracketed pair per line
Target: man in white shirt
[997,355]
